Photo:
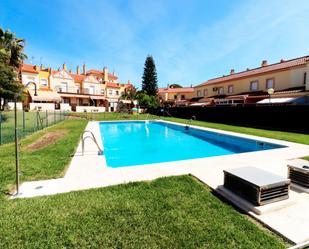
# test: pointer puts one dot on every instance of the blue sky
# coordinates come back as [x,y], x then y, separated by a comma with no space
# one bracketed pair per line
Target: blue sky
[191,41]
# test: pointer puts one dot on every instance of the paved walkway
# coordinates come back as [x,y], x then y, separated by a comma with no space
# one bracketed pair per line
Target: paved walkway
[90,171]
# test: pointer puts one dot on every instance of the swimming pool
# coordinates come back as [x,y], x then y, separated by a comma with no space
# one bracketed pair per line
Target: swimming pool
[139,142]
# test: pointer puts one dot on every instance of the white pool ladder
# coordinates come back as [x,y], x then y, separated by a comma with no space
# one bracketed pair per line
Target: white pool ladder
[92,137]
[189,122]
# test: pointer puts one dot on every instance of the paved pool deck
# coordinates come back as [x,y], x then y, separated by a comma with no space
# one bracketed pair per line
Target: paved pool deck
[91,171]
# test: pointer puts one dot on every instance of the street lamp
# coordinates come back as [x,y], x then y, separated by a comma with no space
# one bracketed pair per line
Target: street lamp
[270,91]
[16,131]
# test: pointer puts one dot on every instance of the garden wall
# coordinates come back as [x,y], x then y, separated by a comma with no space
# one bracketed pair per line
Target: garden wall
[293,118]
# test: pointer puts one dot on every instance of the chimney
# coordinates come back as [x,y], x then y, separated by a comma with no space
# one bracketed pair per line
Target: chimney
[248,68]
[105,74]
[49,69]
[64,66]
[41,67]
[168,86]
[232,71]
[282,60]
[264,63]
[70,71]
[84,68]
[77,70]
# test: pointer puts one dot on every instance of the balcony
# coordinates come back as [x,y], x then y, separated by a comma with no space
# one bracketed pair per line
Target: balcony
[76,90]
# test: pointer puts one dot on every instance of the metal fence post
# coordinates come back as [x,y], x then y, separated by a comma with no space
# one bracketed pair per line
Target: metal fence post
[54,116]
[37,120]
[0,128]
[24,124]
[46,116]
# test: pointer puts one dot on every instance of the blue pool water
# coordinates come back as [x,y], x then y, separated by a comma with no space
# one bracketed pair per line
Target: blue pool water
[139,142]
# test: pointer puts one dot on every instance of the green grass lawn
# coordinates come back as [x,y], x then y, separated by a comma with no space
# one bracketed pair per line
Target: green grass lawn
[41,163]
[26,123]
[173,212]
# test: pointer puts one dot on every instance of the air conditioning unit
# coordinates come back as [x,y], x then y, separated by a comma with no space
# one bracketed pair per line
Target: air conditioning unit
[257,186]
[215,89]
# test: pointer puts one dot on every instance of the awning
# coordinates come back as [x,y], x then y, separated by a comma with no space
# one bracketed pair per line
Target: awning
[200,104]
[237,97]
[97,97]
[276,101]
[125,101]
[48,96]
[68,95]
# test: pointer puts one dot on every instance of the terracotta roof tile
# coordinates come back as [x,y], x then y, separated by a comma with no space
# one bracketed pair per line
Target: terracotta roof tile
[272,67]
[176,90]
[28,68]
[78,77]
[95,71]
[114,85]
[98,72]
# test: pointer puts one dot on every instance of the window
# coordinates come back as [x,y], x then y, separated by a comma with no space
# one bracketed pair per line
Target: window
[183,96]
[220,90]
[77,88]
[205,92]
[175,96]
[230,89]
[64,87]
[110,92]
[270,83]
[254,85]
[305,78]
[199,93]
[91,90]
[117,93]
[44,82]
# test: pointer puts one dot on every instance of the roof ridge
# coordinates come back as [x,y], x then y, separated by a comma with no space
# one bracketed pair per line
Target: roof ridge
[306,57]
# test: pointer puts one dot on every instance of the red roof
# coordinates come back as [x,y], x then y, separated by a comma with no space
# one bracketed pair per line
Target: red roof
[112,76]
[98,72]
[264,69]
[114,85]
[78,77]
[28,68]
[53,72]
[176,90]
[95,71]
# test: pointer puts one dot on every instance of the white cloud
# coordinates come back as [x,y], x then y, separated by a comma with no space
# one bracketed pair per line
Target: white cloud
[120,35]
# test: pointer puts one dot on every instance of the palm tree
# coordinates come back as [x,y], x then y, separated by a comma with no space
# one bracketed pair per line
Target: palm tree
[11,49]
[129,94]
[11,59]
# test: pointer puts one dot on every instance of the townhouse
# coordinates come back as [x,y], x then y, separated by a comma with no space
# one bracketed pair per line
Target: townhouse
[92,90]
[175,96]
[281,82]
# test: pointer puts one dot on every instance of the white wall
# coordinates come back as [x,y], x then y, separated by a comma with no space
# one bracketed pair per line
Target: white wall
[19,105]
[90,109]
[30,77]
[65,107]
[42,106]
[62,76]
[91,81]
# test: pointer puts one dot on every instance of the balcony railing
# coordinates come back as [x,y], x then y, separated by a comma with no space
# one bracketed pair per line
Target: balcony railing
[77,90]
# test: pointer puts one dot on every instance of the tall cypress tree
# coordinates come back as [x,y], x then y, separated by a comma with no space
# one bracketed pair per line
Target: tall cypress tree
[150,82]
